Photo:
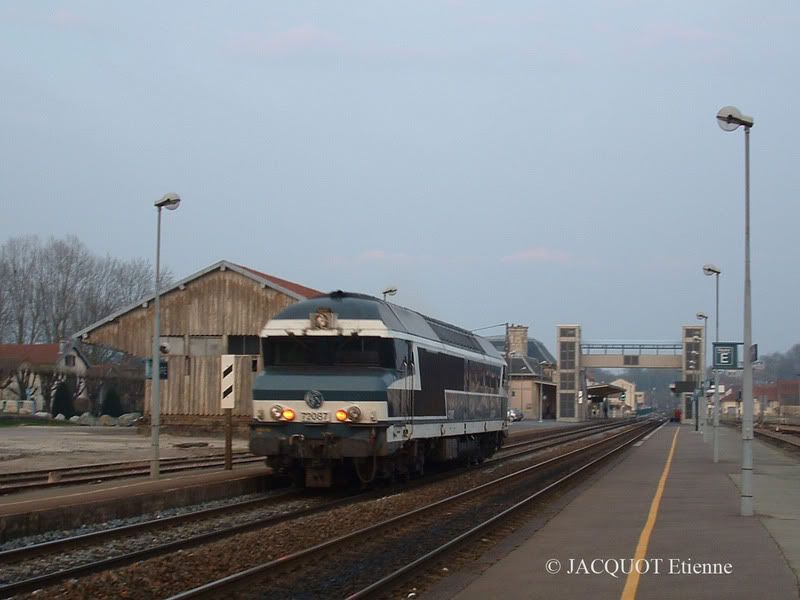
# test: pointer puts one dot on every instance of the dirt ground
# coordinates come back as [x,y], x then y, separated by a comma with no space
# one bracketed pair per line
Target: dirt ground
[28,447]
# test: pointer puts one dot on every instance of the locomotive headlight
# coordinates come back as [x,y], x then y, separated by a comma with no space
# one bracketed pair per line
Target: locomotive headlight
[354,413]
[341,415]
[276,412]
[288,414]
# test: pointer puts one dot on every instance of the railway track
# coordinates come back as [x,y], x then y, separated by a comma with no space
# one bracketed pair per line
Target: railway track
[791,439]
[21,481]
[363,562]
[549,440]
[270,511]
[118,553]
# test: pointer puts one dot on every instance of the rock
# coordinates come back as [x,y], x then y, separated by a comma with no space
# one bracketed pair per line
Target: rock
[86,419]
[128,419]
[42,415]
[74,419]
[107,421]
[60,417]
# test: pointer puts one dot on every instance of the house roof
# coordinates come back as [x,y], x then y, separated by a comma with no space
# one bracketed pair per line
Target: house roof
[37,354]
[536,349]
[300,290]
[522,365]
[291,289]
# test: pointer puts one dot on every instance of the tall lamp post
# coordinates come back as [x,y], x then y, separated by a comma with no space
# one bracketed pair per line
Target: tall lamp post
[170,202]
[701,316]
[389,291]
[712,270]
[729,119]
[698,365]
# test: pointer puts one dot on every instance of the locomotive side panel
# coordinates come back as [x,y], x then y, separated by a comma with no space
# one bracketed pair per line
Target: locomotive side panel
[438,372]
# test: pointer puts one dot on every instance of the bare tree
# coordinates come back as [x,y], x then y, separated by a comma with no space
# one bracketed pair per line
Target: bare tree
[62,276]
[5,312]
[24,319]
[50,291]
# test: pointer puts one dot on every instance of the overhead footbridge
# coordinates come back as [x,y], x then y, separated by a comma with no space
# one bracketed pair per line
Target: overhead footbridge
[575,355]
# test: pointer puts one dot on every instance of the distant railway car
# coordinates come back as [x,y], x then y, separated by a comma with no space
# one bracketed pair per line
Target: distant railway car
[355,385]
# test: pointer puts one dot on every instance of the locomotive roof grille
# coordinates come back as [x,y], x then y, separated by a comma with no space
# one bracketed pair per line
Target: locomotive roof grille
[396,318]
[454,336]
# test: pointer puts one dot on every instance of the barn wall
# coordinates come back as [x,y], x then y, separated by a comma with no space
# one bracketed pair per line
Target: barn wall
[197,392]
[219,303]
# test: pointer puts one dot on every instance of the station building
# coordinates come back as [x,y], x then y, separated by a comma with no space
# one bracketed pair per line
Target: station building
[531,369]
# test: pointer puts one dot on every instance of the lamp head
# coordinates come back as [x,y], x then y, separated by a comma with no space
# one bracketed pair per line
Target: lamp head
[729,118]
[701,316]
[390,291]
[170,201]
[710,269]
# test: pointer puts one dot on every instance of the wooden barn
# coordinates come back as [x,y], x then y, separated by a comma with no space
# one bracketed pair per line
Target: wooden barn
[219,310]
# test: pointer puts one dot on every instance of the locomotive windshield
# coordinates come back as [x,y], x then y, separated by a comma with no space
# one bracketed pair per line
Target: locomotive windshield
[330,351]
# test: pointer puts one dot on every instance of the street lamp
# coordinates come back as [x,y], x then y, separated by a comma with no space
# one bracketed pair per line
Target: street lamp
[710,270]
[169,201]
[389,291]
[729,119]
[701,316]
[697,364]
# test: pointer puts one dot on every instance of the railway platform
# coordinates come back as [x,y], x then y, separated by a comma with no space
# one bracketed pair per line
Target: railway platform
[32,512]
[663,512]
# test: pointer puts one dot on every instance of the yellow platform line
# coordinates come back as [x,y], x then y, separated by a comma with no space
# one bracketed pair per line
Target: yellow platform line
[632,582]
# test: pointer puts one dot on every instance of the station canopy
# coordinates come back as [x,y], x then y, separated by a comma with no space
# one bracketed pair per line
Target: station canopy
[601,391]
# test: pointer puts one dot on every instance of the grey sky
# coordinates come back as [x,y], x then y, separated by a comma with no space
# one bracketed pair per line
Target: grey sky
[532,162]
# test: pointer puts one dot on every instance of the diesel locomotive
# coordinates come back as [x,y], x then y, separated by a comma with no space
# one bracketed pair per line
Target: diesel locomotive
[353,386]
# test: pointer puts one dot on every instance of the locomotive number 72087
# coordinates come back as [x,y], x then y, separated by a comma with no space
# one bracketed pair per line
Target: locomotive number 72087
[314,417]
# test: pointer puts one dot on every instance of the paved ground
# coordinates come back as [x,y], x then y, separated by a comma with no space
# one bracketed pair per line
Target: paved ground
[697,521]
[42,447]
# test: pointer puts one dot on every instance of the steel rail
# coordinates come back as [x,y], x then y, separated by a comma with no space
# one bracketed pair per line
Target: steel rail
[779,438]
[562,434]
[26,552]
[122,473]
[33,473]
[217,588]
[383,582]
[34,583]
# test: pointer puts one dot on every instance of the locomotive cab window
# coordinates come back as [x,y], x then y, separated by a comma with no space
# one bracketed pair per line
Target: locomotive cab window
[329,351]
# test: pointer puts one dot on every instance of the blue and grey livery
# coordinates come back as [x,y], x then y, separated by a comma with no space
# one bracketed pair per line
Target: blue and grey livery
[352,383]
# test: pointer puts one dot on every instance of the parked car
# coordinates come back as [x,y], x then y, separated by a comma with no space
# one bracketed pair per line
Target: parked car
[515,415]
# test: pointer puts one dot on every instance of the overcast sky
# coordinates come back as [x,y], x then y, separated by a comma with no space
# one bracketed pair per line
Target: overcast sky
[533,162]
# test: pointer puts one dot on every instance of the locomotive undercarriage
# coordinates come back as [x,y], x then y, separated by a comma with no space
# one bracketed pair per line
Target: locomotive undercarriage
[330,460]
